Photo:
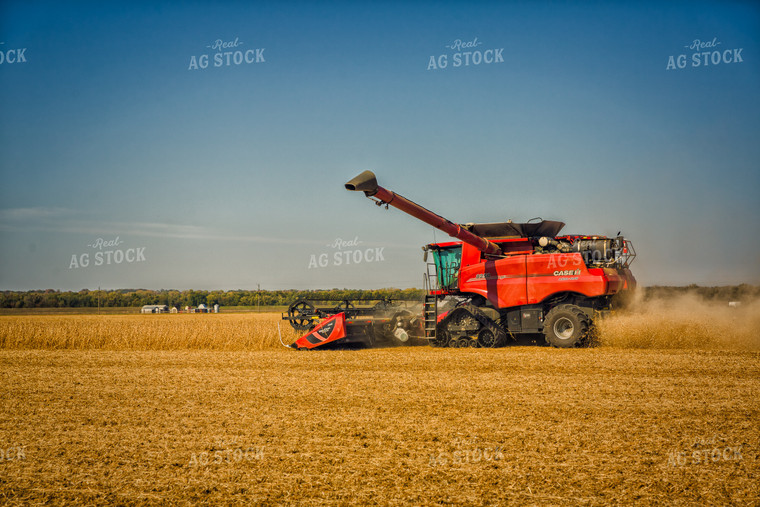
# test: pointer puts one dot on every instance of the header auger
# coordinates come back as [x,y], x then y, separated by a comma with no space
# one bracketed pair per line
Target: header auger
[354,322]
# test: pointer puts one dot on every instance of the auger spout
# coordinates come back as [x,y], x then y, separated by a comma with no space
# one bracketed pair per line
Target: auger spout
[367,182]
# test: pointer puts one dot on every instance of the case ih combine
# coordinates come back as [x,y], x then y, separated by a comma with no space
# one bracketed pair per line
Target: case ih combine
[498,281]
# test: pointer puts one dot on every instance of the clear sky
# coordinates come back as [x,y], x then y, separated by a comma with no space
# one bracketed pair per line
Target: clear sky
[231,176]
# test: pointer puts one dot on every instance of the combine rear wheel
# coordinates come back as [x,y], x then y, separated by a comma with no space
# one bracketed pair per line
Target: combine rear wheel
[566,326]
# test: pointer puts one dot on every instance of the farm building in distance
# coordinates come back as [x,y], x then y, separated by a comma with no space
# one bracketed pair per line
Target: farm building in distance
[202,308]
[155,309]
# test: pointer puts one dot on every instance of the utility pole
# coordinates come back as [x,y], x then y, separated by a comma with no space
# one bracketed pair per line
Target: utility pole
[258,297]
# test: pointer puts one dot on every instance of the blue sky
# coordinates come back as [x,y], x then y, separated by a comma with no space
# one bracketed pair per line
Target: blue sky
[231,176]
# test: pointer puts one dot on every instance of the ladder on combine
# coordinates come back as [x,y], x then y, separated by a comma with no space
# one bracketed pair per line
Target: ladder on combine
[430,313]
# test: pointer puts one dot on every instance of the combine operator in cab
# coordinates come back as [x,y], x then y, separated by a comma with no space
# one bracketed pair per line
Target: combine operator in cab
[511,278]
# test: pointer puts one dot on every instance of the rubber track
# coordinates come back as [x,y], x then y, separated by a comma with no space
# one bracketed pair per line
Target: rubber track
[485,321]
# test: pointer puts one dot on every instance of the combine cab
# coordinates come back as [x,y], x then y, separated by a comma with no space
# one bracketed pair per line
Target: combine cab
[511,278]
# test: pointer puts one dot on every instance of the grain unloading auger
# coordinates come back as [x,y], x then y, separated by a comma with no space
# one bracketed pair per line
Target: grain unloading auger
[513,278]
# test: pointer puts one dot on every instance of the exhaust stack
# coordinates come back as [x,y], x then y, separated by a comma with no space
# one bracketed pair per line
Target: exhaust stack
[367,182]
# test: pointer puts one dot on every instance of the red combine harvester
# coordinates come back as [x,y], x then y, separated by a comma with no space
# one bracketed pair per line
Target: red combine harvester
[498,281]
[510,278]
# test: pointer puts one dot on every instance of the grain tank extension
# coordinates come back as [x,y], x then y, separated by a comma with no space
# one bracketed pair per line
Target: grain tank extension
[503,279]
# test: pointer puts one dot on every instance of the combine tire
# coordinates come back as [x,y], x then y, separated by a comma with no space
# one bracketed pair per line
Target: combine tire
[566,326]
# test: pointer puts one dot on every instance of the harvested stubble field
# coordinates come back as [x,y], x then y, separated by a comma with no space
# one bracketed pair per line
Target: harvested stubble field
[519,425]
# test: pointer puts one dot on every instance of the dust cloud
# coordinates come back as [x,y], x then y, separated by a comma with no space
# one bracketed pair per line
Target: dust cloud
[682,322]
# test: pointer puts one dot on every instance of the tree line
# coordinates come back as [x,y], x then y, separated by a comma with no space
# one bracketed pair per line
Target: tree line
[182,298]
